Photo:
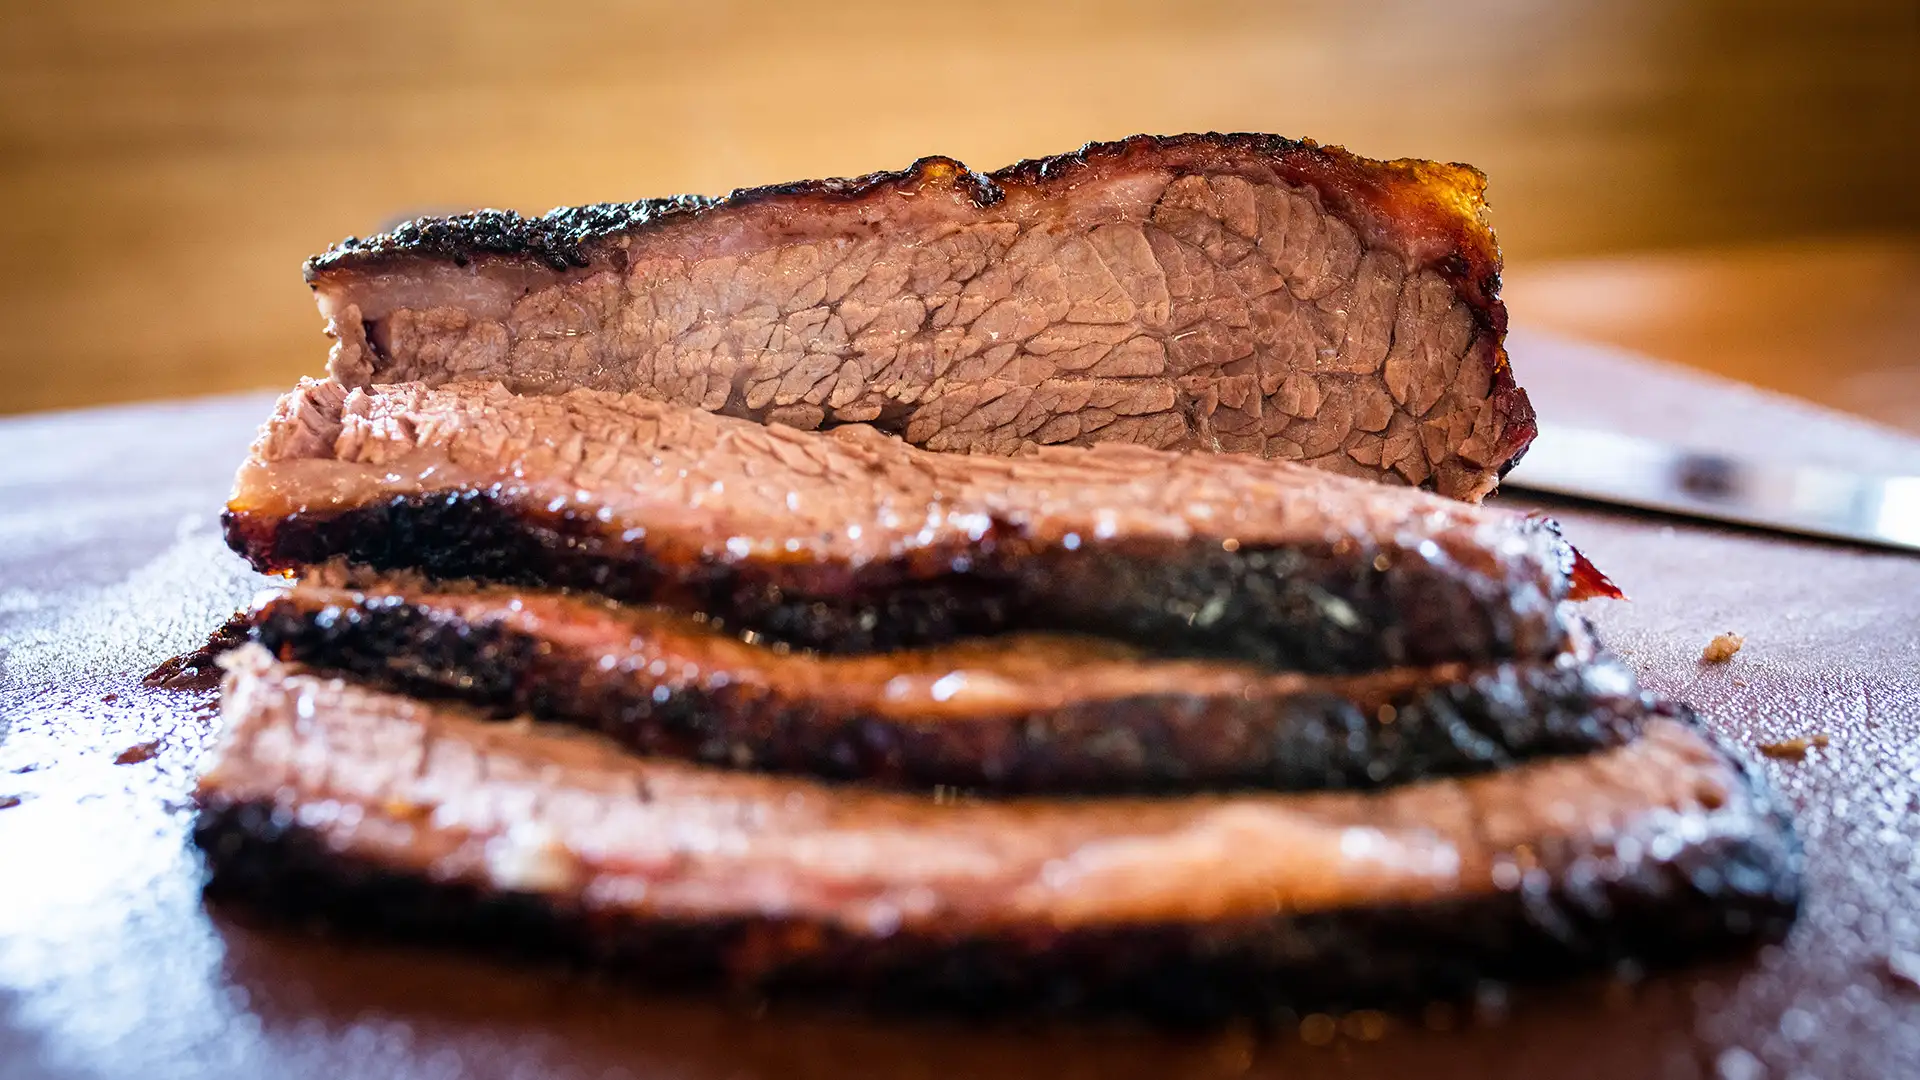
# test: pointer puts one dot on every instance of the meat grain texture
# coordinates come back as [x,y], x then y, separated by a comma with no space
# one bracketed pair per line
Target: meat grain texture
[1227,292]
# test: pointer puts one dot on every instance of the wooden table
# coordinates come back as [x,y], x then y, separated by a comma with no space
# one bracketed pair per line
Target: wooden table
[1834,321]
[166,167]
[110,965]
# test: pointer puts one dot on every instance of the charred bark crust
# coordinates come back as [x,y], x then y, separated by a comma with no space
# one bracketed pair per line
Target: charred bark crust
[1717,893]
[566,238]
[1340,733]
[1305,609]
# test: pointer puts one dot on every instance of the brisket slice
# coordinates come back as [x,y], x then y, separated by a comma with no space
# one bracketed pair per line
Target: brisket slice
[855,541]
[1221,292]
[1019,713]
[421,819]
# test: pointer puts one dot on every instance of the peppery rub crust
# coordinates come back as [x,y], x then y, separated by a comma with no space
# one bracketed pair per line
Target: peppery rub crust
[1181,975]
[407,304]
[1436,210]
[1262,606]
[855,541]
[1023,713]
[554,843]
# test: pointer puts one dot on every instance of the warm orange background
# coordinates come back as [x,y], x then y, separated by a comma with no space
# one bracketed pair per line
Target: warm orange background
[165,166]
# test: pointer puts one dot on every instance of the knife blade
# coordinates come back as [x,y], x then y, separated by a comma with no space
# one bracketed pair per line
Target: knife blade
[1608,467]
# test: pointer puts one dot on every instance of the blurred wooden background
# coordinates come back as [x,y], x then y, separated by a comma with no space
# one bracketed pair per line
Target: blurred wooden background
[166,165]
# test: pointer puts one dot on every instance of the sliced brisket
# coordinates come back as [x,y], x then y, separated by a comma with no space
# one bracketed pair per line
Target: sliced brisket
[1221,292]
[328,798]
[1020,712]
[852,540]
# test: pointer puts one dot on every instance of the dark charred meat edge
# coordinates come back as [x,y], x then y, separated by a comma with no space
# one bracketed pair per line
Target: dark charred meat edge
[1719,871]
[1193,974]
[1299,608]
[857,541]
[199,668]
[1431,214]
[1383,194]
[674,687]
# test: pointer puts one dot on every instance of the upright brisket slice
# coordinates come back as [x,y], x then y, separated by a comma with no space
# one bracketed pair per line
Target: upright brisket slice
[1222,292]
[330,798]
[853,540]
[1020,712]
